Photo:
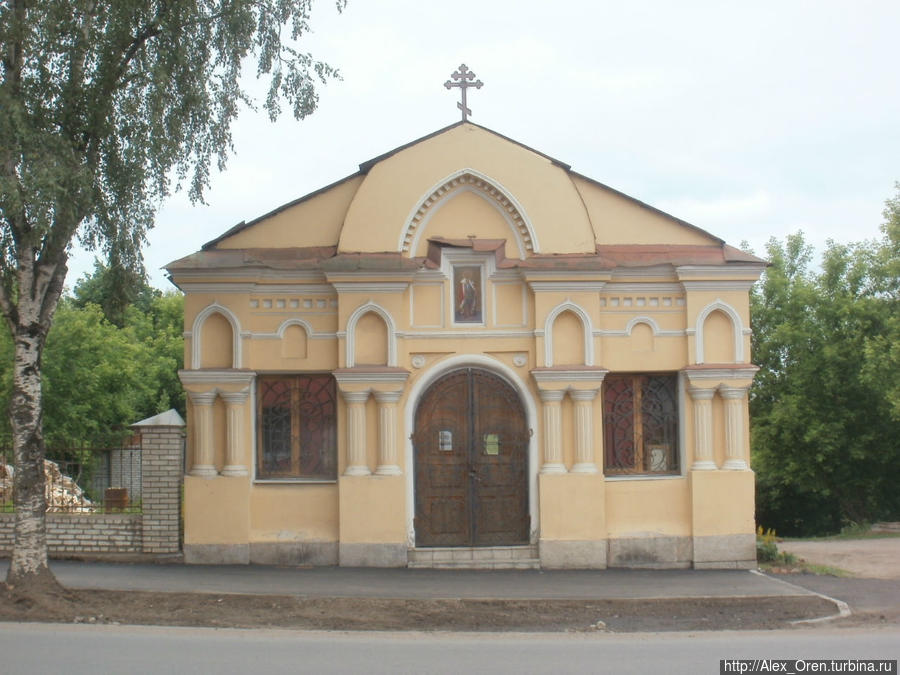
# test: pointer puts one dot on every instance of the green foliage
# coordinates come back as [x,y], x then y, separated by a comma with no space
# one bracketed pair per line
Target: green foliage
[114,289]
[99,378]
[767,549]
[824,430]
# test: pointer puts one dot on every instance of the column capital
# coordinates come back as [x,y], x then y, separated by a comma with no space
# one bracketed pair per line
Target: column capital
[702,393]
[355,396]
[235,397]
[387,396]
[733,393]
[583,394]
[202,398]
[552,395]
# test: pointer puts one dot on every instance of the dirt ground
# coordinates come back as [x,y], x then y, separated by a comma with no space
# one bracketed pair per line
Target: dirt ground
[864,558]
[870,560]
[255,611]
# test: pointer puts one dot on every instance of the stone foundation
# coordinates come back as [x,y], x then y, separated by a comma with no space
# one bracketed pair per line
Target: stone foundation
[373,555]
[588,555]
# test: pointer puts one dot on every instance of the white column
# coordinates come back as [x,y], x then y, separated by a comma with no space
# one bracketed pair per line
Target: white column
[204,460]
[734,427]
[356,433]
[234,407]
[387,433]
[584,430]
[703,429]
[552,400]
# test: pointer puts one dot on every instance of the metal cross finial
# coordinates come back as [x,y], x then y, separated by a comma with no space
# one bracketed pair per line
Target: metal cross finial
[464,76]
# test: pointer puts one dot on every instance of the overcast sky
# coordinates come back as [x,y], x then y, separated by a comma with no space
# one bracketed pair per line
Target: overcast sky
[750,120]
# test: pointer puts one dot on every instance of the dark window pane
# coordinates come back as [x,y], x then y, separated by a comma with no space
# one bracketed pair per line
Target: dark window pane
[618,424]
[659,417]
[640,424]
[276,427]
[298,427]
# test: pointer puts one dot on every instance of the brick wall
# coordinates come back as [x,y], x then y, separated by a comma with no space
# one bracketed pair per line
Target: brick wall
[82,533]
[162,449]
[156,530]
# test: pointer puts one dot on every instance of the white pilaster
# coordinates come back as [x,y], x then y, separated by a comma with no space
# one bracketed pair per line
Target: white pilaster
[204,460]
[584,430]
[356,433]
[234,406]
[552,400]
[703,429]
[734,427]
[387,433]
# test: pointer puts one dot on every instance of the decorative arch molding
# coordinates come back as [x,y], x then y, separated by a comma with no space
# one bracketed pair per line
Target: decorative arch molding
[431,376]
[197,338]
[294,322]
[643,319]
[587,329]
[737,329]
[361,311]
[486,187]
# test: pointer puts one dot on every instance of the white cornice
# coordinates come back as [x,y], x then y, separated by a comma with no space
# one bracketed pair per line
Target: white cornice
[254,288]
[567,286]
[428,276]
[627,333]
[720,271]
[741,373]
[718,285]
[569,375]
[310,336]
[654,272]
[349,377]
[569,275]
[463,334]
[651,287]
[249,271]
[189,377]
[370,287]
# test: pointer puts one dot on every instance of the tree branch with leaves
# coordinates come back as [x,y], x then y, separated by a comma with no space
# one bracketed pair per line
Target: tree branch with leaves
[107,108]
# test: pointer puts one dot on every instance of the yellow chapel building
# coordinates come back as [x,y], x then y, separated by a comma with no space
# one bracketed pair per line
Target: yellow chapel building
[466,354]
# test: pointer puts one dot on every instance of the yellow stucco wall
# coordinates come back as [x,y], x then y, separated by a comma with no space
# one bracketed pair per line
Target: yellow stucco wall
[313,222]
[395,187]
[634,320]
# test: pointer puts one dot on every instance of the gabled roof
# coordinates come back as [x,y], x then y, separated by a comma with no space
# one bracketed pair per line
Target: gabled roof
[322,257]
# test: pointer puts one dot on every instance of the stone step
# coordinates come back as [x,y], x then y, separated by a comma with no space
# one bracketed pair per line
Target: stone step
[481,557]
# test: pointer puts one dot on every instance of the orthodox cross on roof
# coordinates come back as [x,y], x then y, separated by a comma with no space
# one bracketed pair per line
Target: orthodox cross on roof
[463,77]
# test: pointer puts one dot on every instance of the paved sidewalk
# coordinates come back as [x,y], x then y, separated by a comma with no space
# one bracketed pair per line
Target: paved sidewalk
[417,583]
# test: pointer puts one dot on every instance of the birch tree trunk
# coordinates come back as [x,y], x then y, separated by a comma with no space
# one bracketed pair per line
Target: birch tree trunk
[40,287]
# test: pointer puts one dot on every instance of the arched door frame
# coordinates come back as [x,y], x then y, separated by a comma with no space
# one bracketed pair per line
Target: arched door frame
[412,401]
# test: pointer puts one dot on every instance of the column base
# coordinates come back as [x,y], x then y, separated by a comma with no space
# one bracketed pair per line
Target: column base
[584,467]
[357,471]
[387,470]
[234,470]
[704,465]
[553,468]
[204,471]
[735,465]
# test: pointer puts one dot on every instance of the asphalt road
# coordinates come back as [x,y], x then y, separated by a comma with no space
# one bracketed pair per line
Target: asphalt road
[406,583]
[94,650]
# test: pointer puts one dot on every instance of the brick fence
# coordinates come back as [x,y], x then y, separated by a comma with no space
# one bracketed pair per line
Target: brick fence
[82,533]
[156,530]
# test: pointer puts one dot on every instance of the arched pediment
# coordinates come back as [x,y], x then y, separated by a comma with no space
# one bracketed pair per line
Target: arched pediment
[487,188]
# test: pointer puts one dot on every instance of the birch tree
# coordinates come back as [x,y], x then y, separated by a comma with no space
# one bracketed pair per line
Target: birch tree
[105,108]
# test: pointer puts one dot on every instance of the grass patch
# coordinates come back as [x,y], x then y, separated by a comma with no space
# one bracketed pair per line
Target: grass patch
[802,567]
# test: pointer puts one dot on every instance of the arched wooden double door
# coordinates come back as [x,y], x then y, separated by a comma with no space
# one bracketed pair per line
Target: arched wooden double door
[471,463]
